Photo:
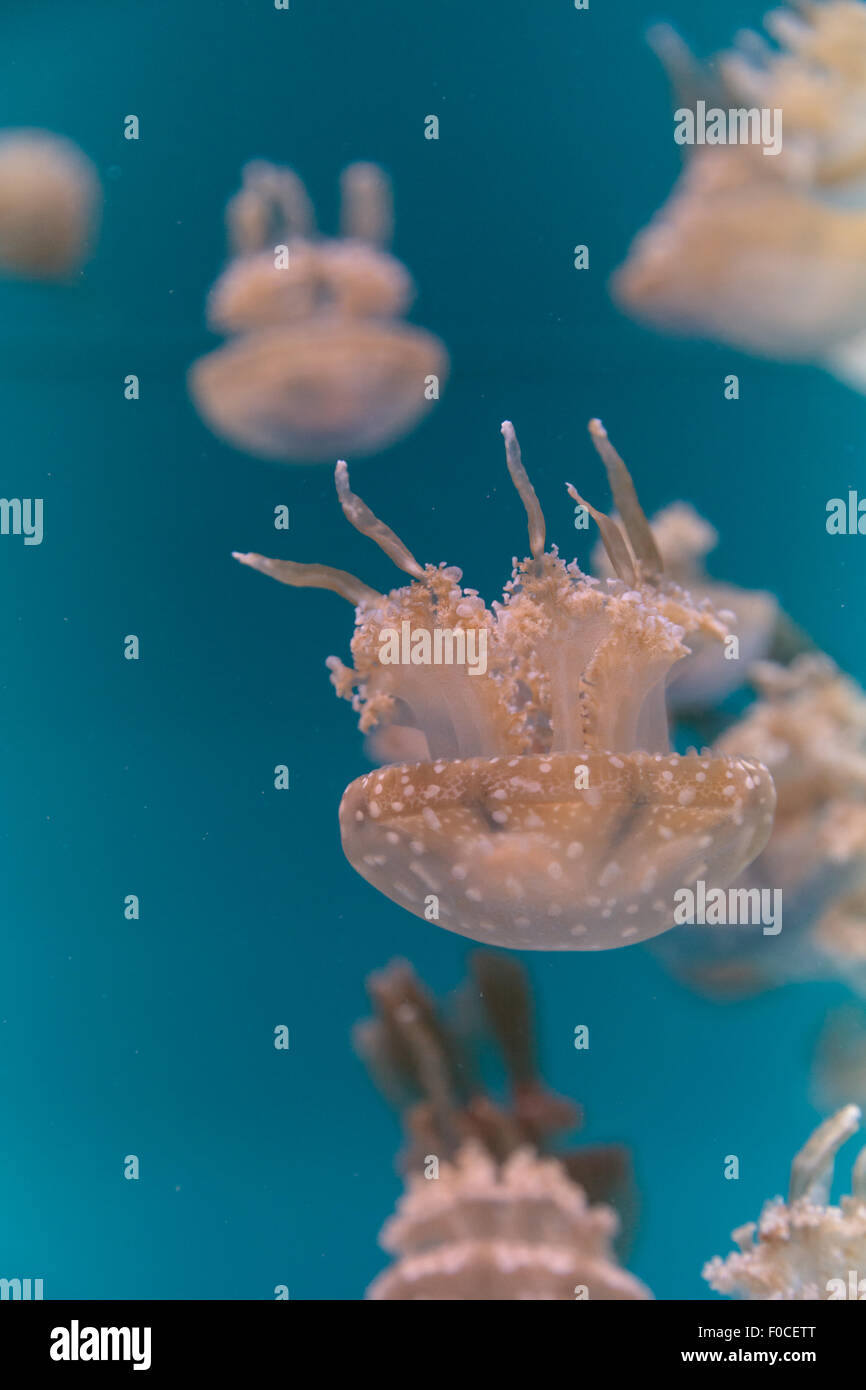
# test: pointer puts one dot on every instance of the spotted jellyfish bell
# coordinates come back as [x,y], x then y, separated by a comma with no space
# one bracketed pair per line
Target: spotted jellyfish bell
[50,202]
[320,361]
[803,1250]
[549,812]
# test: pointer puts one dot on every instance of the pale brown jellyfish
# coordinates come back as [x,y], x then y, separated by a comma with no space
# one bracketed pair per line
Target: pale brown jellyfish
[549,812]
[803,1250]
[50,201]
[684,540]
[749,249]
[515,1231]
[816,74]
[808,727]
[491,1211]
[811,726]
[742,258]
[321,361]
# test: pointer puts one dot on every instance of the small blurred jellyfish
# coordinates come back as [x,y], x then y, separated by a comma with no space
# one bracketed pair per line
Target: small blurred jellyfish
[50,203]
[808,727]
[708,675]
[320,361]
[491,1211]
[547,811]
[804,1249]
[768,252]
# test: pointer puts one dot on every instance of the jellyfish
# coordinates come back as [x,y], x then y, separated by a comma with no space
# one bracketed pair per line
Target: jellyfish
[50,201]
[319,361]
[707,676]
[769,254]
[816,75]
[808,726]
[803,1249]
[493,1208]
[425,1059]
[501,1232]
[549,812]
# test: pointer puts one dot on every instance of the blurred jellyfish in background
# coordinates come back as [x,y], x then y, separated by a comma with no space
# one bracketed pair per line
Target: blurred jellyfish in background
[811,724]
[493,1210]
[547,811]
[708,675]
[817,76]
[805,1249]
[839,1066]
[320,362]
[50,204]
[808,726]
[767,252]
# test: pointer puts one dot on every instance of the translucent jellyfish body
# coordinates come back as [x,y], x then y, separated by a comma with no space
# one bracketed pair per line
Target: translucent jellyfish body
[816,75]
[739,256]
[549,812]
[808,727]
[767,253]
[684,539]
[516,1231]
[803,1249]
[50,201]
[491,1211]
[811,727]
[320,361]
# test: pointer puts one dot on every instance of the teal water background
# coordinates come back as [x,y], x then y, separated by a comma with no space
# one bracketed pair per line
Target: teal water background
[155,1037]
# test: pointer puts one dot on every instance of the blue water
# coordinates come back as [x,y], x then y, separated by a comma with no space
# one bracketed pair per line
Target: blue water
[155,777]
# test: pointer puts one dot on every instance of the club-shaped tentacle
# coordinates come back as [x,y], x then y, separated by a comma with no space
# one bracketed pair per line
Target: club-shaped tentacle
[525,490]
[634,520]
[611,538]
[311,577]
[247,222]
[359,515]
[812,1168]
[285,195]
[366,204]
